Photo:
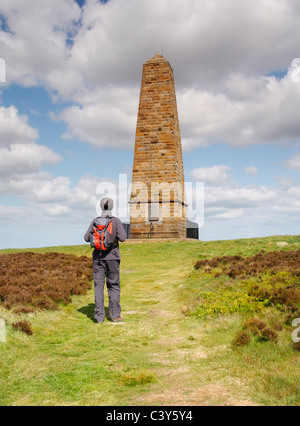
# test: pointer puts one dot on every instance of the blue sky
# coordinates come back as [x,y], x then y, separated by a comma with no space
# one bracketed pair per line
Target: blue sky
[68,110]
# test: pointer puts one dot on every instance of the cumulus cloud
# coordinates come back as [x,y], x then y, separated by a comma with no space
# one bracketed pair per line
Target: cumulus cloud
[34,42]
[240,197]
[7,212]
[294,163]
[217,175]
[260,110]
[21,164]
[237,211]
[251,170]
[215,48]
[19,154]
[218,99]
[14,128]
[49,196]
[43,188]
[25,158]
[102,125]
[250,211]
[199,38]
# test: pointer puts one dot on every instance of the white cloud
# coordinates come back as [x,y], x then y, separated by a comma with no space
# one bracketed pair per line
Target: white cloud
[199,38]
[285,182]
[7,212]
[52,191]
[223,95]
[14,128]
[100,125]
[27,158]
[56,210]
[19,154]
[217,175]
[250,211]
[260,110]
[227,214]
[21,162]
[251,170]
[35,45]
[231,211]
[54,196]
[239,197]
[294,163]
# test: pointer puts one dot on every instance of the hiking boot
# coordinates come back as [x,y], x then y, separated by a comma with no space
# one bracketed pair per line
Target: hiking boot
[117,319]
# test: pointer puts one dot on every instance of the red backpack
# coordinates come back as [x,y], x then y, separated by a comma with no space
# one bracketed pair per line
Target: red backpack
[102,237]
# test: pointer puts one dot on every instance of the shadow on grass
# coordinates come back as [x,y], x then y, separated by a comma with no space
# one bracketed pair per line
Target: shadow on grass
[89,311]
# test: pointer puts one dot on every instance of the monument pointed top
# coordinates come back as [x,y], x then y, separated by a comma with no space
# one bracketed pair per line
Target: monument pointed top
[157,58]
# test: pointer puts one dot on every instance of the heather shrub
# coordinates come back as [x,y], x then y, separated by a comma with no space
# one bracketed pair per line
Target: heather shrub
[255,326]
[23,326]
[23,310]
[31,281]
[296,346]
[267,334]
[280,297]
[242,338]
[273,262]
[258,329]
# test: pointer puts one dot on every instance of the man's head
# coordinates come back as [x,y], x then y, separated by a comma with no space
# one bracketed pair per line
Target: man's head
[106,204]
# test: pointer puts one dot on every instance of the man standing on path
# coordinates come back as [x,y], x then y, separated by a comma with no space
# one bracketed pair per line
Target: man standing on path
[106,264]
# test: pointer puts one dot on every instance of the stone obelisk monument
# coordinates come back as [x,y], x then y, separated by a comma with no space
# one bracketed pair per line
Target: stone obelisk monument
[157,204]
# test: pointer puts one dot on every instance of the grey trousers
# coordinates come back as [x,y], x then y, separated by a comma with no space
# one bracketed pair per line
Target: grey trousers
[109,269]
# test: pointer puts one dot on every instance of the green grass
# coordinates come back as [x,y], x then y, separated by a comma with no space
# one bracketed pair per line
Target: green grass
[159,355]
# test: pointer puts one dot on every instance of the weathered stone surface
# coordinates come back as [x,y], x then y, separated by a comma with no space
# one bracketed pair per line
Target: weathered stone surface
[158,174]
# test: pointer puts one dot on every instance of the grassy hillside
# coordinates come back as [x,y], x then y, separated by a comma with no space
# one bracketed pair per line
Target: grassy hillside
[179,344]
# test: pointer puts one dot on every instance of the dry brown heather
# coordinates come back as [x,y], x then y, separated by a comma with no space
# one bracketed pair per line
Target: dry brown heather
[237,266]
[30,281]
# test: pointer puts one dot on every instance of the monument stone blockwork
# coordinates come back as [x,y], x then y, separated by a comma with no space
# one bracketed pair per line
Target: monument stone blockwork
[157,204]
